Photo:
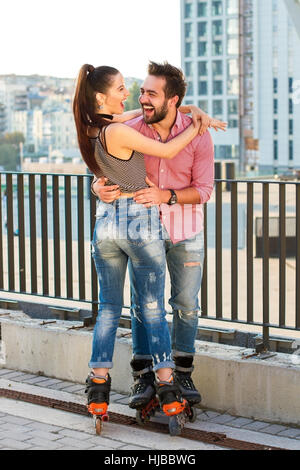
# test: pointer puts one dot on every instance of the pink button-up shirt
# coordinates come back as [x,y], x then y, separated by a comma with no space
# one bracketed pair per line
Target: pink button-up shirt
[192,167]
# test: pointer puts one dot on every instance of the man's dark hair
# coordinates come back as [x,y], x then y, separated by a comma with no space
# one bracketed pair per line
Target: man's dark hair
[175,80]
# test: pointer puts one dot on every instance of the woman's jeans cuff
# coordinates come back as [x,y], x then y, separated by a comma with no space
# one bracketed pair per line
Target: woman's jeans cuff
[163,365]
[100,365]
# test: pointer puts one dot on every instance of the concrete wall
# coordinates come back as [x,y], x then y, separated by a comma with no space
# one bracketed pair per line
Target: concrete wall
[260,389]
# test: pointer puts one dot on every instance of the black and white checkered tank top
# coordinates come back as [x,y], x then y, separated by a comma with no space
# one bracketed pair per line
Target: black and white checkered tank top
[128,174]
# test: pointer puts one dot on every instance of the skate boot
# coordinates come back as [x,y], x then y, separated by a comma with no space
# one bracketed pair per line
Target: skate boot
[183,370]
[97,389]
[143,389]
[172,404]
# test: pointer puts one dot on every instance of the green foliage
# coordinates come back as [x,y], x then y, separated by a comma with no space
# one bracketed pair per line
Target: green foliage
[9,157]
[132,101]
[13,138]
[9,150]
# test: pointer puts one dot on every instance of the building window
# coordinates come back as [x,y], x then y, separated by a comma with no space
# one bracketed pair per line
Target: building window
[233,86]
[188,27]
[202,88]
[232,107]
[218,108]
[233,46]
[203,104]
[202,69]
[233,123]
[233,26]
[233,68]
[291,127]
[275,85]
[217,28]
[190,88]
[291,107]
[217,48]
[275,127]
[275,150]
[232,7]
[291,150]
[188,10]
[275,106]
[290,85]
[188,69]
[188,49]
[202,8]
[217,8]
[217,87]
[202,29]
[202,48]
[217,67]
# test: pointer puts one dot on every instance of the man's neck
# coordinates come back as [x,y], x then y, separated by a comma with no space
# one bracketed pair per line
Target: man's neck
[164,126]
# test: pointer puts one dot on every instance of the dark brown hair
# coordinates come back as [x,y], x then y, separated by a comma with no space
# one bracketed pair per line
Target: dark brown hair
[175,80]
[90,81]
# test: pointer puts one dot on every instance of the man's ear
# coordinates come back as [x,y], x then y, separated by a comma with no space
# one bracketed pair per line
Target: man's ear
[174,100]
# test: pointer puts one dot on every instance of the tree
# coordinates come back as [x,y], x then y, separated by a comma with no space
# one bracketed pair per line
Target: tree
[132,101]
[13,138]
[9,157]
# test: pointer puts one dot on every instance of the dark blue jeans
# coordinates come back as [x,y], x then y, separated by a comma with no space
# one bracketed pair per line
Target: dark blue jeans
[126,232]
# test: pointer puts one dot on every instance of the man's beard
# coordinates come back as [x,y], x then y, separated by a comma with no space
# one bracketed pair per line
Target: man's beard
[158,115]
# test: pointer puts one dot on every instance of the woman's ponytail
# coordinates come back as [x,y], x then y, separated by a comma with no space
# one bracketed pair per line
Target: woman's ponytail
[90,80]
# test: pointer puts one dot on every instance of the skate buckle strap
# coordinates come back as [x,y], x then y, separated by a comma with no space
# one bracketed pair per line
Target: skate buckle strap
[184,369]
[174,408]
[138,373]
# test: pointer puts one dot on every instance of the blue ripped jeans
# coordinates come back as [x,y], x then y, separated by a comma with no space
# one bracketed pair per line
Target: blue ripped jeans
[185,265]
[126,232]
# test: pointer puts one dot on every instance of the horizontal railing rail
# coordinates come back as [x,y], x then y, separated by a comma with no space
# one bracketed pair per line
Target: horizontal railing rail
[251,272]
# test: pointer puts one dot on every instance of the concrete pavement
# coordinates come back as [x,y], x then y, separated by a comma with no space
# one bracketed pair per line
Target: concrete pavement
[26,426]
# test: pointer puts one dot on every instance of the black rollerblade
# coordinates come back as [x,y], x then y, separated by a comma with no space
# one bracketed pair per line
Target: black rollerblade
[183,370]
[143,389]
[97,389]
[172,404]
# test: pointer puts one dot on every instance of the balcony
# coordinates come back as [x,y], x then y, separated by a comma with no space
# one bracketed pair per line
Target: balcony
[46,224]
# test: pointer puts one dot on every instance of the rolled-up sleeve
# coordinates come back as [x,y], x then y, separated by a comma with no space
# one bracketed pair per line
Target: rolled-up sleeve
[203,170]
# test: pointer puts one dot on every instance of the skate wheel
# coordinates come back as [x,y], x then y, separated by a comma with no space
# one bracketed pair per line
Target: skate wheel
[174,426]
[192,415]
[98,426]
[139,417]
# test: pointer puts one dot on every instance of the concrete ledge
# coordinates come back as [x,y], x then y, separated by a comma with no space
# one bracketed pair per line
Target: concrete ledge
[259,389]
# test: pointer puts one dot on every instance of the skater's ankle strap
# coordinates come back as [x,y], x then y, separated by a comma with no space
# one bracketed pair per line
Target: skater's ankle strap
[138,373]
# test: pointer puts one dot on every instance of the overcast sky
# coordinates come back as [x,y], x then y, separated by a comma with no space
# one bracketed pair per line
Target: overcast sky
[55,37]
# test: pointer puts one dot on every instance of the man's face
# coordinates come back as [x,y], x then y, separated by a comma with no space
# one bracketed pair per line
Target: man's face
[152,99]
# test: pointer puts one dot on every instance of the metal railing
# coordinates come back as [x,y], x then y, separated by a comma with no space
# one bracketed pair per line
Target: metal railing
[47,221]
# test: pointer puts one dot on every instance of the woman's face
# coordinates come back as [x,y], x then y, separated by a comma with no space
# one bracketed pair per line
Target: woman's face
[113,100]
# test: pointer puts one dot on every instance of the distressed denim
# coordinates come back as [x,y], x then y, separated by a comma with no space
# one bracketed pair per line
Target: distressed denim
[127,233]
[185,265]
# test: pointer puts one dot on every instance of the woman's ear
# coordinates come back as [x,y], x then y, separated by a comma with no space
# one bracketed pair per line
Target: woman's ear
[100,98]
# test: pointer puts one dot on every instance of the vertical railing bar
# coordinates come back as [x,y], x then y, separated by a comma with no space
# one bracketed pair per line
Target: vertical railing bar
[56,235]
[68,224]
[298,256]
[249,252]
[80,241]
[266,253]
[234,253]
[204,298]
[21,232]
[218,260]
[282,258]
[10,232]
[44,235]
[1,239]
[94,280]
[32,226]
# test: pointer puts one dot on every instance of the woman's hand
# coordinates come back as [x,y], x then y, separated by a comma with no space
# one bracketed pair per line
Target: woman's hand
[206,120]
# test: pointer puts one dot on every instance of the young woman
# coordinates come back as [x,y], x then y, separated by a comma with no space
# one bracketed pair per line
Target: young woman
[124,232]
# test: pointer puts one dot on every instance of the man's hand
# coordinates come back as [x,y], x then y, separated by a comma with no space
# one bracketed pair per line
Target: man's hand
[151,196]
[106,193]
